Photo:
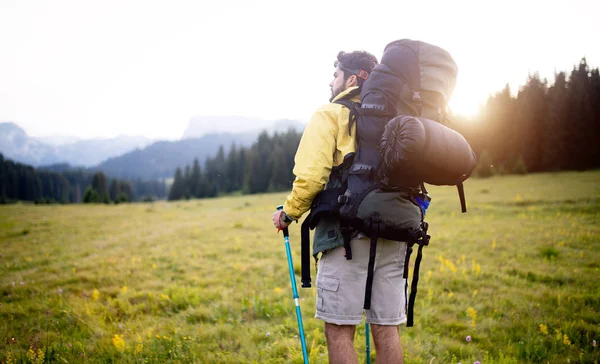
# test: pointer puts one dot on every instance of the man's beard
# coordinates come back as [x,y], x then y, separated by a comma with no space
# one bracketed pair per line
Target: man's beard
[334,93]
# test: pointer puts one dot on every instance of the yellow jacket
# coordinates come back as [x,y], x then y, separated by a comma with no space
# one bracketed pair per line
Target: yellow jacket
[324,144]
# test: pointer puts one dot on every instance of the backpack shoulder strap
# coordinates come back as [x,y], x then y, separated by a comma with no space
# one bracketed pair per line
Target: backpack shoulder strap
[353,106]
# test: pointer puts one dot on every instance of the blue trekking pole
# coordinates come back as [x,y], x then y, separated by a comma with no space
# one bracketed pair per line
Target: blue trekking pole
[286,238]
[368,343]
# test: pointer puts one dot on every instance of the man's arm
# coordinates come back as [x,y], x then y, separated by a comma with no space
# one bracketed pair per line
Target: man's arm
[313,162]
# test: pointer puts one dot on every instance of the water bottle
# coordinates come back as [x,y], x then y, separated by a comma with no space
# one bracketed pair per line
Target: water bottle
[423,199]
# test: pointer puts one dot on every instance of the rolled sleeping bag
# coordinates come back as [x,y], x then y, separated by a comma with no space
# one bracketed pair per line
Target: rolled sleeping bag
[423,150]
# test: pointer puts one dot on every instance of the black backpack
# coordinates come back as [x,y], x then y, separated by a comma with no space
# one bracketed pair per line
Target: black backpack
[399,148]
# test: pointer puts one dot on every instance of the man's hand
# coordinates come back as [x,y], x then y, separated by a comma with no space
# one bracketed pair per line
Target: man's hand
[281,220]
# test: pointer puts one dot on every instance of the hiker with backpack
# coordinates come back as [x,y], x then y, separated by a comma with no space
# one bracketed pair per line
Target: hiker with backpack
[360,168]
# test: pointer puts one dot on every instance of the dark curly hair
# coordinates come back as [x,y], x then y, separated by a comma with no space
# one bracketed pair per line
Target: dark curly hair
[353,62]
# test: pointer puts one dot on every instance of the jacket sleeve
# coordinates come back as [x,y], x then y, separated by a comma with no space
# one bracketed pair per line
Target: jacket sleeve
[313,162]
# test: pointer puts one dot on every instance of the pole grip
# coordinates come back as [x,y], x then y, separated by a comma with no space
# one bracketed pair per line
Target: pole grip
[285,231]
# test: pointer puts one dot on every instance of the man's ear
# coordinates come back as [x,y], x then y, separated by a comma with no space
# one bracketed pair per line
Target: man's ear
[351,81]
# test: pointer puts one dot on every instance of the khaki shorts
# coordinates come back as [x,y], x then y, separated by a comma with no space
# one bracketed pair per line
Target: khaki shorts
[341,284]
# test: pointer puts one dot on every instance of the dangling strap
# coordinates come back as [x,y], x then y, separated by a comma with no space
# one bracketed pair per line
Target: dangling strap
[369,287]
[422,240]
[346,231]
[305,252]
[413,288]
[461,195]
[371,268]
[409,249]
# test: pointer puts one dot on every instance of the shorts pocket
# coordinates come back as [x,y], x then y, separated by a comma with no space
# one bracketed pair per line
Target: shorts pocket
[327,297]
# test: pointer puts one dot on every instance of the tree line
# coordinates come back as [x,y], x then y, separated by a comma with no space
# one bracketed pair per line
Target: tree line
[545,127]
[20,182]
[266,166]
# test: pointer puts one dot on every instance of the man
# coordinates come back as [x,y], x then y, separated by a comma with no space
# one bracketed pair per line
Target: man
[341,283]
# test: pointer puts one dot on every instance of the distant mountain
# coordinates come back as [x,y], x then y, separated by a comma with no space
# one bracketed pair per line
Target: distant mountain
[160,159]
[203,125]
[128,157]
[17,145]
[90,152]
[57,140]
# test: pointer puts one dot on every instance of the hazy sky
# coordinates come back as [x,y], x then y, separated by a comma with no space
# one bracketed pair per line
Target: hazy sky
[104,68]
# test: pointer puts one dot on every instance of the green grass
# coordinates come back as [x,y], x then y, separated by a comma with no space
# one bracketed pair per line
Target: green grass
[206,280]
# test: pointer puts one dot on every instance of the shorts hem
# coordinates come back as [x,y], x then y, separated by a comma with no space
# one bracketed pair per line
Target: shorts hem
[387,322]
[339,320]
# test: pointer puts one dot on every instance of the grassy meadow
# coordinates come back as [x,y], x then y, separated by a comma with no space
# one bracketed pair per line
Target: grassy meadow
[514,280]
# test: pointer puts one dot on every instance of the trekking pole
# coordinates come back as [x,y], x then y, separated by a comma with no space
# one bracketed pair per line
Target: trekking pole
[286,238]
[368,343]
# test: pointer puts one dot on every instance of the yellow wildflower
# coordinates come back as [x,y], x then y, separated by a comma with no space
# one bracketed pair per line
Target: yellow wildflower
[95,294]
[154,265]
[472,314]
[450,265]
[277,290]
[475,293]
[35,356]
[124,289]
[119,342]
[140,345]
[544,329]
[566,340]
[558,334]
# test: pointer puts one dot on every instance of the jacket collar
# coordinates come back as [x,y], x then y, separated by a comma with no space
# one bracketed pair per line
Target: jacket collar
[346,92]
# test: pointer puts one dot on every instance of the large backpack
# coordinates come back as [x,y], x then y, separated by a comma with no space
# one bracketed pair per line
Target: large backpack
[401,144]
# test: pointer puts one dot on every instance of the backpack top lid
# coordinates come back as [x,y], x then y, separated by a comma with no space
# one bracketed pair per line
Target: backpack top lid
[436,69]
[414,78]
